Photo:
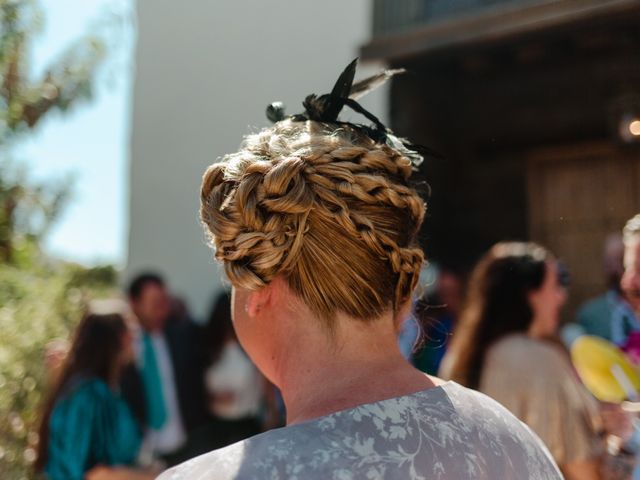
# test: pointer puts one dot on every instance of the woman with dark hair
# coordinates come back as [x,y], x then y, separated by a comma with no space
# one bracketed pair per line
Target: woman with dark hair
[87,430]
[505,346]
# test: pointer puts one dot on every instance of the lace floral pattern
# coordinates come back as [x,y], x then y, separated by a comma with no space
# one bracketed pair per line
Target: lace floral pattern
[444,433]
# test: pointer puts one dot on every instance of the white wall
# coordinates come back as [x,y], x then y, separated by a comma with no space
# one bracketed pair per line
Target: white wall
[205,73]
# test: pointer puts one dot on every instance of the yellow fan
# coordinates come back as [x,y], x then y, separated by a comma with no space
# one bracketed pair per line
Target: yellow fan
[605,370]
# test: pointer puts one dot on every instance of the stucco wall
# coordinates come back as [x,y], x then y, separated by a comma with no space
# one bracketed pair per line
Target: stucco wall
[205,73]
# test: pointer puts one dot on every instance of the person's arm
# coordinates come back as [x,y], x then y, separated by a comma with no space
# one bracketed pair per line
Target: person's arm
[617,423]
[581,470]
[120,473]
[70,437]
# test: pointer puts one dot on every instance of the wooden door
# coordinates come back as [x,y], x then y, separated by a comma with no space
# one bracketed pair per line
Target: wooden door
[578,195]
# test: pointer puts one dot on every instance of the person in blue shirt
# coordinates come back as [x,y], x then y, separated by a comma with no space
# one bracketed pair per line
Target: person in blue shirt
[610,315]
[87,429]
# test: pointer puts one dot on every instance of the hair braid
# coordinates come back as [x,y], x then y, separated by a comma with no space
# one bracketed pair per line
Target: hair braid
[330,209]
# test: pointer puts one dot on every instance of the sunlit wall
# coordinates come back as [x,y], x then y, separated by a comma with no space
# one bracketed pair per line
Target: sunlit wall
[205,73]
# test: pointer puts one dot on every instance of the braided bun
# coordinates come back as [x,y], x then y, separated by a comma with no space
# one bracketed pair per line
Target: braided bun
[329,209]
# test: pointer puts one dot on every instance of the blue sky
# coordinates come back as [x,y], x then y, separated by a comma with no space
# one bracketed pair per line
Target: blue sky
[91,141]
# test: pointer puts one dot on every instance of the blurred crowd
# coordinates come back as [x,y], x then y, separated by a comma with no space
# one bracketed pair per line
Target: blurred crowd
[144,386]
[163,387]
[499,330]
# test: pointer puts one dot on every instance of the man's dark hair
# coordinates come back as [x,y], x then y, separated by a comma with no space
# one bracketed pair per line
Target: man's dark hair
[142,280]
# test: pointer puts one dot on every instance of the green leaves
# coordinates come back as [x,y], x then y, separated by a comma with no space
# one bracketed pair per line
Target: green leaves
[40,300]
[25,98]
[39,307]
[26,209]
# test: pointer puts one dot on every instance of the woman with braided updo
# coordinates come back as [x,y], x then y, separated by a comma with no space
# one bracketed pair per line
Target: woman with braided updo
[315,221]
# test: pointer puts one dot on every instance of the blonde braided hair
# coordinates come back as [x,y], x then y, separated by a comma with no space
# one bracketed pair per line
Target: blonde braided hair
[330,209]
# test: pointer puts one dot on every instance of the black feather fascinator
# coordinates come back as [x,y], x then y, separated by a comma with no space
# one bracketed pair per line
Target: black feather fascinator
[326,109]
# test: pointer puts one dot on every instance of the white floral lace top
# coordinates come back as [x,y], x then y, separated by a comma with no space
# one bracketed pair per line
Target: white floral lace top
[443,433]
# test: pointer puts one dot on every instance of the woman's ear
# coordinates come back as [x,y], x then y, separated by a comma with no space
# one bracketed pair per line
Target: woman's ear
[251,305]
[256,301]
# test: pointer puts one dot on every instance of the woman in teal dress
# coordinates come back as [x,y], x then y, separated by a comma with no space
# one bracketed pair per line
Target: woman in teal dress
[87,429]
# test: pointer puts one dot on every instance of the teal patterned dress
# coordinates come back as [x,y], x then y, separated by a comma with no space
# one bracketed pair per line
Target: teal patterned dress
[90,425]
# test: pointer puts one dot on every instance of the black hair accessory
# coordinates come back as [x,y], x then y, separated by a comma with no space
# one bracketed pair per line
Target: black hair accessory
[326,108]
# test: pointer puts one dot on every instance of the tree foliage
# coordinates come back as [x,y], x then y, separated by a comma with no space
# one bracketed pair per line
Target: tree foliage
[27,210]
[38,303]
[26,98]
[40,299]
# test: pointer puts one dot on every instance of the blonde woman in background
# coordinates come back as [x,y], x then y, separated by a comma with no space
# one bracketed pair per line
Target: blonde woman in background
[315,221]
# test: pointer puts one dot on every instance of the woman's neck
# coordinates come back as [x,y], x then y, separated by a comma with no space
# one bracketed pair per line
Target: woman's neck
[359,363]
[537,329]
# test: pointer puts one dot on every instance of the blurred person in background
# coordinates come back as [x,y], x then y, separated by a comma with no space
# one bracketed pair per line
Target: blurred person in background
[505,346]
[240,400]
[437,314]
[87,429]
[164,385]
[630,282]
[630,285]
[610,316]
[55,354]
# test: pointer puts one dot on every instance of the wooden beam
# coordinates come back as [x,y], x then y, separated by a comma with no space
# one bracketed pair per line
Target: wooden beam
[496,26]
